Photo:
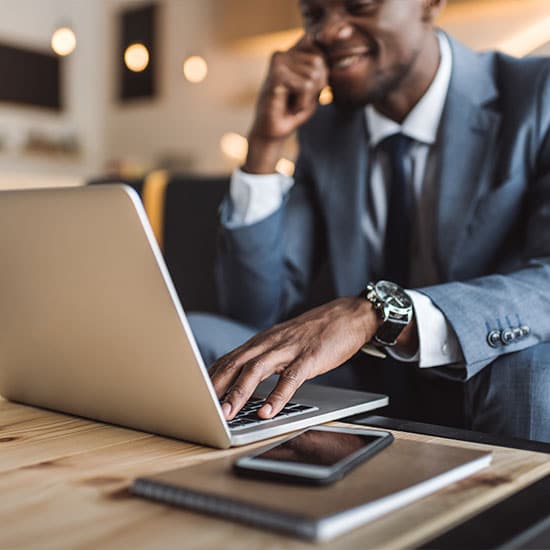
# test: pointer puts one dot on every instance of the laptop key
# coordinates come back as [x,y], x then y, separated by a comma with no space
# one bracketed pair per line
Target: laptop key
[247,417]
[248,421]
[300,408]
[238,422]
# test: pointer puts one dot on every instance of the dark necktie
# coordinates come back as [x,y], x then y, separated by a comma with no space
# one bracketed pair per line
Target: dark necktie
[397,241]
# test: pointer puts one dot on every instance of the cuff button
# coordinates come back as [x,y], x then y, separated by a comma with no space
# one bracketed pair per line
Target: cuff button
[493,338]
[507,336]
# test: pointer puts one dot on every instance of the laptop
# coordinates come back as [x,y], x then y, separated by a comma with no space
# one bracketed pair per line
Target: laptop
[91,325]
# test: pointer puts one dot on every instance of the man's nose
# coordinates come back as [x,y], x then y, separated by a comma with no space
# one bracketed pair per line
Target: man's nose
[332,28]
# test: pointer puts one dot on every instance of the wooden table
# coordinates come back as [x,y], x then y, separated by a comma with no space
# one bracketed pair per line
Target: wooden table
[63,484]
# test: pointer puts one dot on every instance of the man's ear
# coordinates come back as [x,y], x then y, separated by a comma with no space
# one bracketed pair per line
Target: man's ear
[432,8]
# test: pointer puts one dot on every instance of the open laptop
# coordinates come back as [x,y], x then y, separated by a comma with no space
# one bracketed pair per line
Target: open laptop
[90,324]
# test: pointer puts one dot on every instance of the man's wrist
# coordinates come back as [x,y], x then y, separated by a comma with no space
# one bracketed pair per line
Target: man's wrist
[408,339]
[263,155]
[371,321]
[393,307]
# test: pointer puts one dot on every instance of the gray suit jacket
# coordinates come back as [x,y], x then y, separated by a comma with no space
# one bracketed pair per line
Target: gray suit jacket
[491,216]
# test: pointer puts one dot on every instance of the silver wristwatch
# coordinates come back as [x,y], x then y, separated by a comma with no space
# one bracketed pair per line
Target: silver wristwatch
[393,306]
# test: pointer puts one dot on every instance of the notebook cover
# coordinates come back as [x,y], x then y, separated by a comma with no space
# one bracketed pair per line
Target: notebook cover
[403,472]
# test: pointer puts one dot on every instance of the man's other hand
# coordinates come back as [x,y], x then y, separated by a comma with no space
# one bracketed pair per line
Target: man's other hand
[288,98]
[298,350]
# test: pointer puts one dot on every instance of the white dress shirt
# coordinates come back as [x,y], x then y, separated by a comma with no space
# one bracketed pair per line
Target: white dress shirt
[255,197]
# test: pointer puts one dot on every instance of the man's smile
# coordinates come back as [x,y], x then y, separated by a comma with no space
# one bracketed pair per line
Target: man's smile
[345,62]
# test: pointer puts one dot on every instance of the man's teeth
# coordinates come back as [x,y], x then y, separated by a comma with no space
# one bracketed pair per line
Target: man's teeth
[347,61]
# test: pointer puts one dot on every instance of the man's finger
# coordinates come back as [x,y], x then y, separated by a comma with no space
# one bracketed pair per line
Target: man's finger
[293,71]
[223,378]
[295,94]
[307,44]
[250,376]
[305,61]
[224,360]
[226,369]
[289,381]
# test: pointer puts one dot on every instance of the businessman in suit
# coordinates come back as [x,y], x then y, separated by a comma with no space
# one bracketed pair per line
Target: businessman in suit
[431,170]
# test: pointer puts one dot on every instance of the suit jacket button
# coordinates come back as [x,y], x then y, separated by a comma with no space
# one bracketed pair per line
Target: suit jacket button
[518,333]
[493,338]
[507,336]
[525,330]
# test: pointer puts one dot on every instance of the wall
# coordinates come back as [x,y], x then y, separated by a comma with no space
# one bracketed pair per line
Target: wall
[30,23]
[186,120]
[516,27]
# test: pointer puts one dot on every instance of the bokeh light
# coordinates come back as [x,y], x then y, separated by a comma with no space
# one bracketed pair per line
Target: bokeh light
[195,69]
[234,146]
[326,97]
[136,57]
[63,41]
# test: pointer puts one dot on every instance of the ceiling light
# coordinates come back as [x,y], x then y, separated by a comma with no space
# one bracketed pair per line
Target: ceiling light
[63,41]
[136,57]
[195,69]
[234,146]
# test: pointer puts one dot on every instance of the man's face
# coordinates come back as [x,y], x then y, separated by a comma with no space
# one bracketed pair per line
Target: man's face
[370,45]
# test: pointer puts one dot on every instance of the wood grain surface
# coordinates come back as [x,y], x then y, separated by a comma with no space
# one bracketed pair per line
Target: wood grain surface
[63,484]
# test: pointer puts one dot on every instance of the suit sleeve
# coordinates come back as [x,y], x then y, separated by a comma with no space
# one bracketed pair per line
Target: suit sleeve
[509,310]
[264,269]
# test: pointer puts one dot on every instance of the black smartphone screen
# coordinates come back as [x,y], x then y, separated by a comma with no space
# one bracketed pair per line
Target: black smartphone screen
[317,447]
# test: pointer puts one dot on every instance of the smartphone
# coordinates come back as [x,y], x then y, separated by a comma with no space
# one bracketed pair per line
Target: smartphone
[316,456]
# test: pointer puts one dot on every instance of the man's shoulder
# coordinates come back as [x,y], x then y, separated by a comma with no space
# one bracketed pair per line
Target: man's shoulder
[508,73]
[529,70]
[523,86]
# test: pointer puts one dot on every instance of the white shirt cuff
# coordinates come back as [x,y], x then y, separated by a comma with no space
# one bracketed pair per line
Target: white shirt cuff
[438,344]
[254,197]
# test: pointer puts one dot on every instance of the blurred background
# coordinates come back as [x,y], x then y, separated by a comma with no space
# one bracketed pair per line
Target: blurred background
[97,88]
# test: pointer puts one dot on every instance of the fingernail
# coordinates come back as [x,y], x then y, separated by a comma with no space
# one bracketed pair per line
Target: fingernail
[267,408]
[226,409]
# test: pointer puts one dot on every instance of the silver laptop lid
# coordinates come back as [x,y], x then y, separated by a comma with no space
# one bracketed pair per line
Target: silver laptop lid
[90,322]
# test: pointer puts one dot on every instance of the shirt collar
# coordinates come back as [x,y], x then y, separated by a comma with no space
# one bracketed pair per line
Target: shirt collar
[422,123]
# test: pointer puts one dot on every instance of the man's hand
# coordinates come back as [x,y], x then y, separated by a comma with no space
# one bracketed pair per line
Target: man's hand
[298,350]
[289,96]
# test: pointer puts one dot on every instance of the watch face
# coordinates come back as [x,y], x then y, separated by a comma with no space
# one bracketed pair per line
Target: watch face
[393,295]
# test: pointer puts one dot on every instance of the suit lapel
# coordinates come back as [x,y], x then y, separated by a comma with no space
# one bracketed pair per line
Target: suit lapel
[342,177]
[466,140]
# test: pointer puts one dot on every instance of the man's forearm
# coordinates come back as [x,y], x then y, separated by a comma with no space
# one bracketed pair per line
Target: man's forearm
[263,155]
[496,302]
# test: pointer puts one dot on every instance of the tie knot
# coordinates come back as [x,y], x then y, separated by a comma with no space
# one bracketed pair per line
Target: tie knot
[396,145]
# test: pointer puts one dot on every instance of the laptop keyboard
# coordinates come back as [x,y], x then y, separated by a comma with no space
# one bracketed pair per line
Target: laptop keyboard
[247,417]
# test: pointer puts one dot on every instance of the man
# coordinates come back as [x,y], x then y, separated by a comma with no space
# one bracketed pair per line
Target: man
[431,170]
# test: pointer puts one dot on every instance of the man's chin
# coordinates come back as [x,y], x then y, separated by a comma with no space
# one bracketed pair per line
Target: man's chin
[359,96]
[379,87]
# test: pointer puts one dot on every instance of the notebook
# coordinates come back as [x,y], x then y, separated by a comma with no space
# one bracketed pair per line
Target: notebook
[400,474]
[91,324]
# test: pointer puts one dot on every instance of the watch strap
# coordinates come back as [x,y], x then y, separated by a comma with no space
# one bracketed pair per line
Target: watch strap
[393,323]
[388,332]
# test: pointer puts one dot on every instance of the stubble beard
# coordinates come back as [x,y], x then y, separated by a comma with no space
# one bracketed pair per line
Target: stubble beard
[349,99]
